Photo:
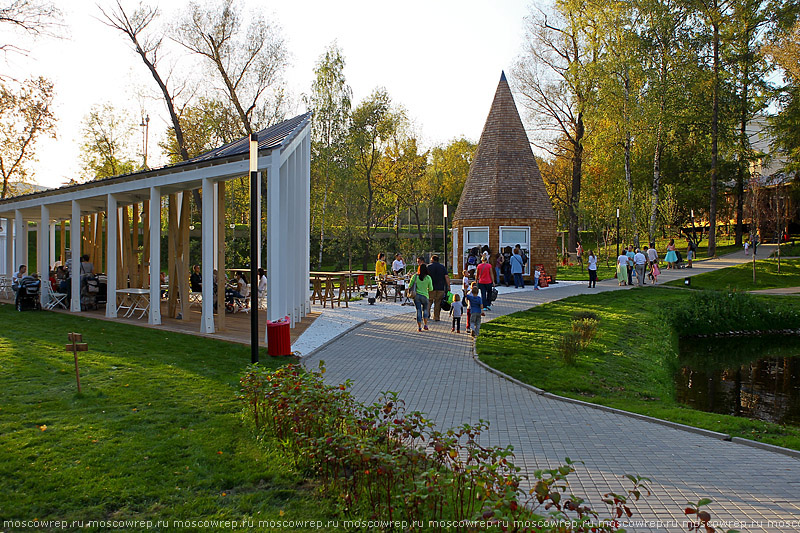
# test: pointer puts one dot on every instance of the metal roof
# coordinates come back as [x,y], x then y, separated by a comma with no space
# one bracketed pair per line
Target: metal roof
[268,139]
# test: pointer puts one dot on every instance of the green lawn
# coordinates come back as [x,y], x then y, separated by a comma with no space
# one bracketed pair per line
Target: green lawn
[157,433]
[629,365]
[740,277]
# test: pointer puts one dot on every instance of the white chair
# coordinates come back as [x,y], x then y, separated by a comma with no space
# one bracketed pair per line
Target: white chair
[54,299]
[5,288]
[195,298]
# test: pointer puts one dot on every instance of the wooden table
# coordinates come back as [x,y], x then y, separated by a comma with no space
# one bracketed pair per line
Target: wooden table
[323,288]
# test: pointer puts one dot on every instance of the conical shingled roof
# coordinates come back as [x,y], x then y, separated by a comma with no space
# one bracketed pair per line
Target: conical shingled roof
[504,179]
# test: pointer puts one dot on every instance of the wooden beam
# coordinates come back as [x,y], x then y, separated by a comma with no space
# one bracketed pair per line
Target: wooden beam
[183,254]
[62,255]
[172,271]
[145,264]
[134,249]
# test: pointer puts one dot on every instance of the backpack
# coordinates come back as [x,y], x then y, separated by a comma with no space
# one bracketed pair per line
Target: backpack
[472,260]
[524,257]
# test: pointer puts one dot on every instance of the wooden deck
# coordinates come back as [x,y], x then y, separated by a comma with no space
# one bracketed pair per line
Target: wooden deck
[237,325]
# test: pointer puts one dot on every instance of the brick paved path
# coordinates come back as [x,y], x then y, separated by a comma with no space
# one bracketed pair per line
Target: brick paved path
[435,373]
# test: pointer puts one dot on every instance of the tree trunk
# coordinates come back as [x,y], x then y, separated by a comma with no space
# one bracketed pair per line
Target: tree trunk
[740,171]
[574,200]
[712,212]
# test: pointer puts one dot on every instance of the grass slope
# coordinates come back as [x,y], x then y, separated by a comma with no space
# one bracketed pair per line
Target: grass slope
[741,276]
[629,365]
[156,435]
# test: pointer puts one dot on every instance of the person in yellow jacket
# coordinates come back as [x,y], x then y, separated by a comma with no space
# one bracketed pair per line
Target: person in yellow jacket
[380,266]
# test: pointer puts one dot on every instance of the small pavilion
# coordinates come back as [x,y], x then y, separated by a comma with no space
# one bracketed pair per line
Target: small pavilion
[104,216]
[504,201]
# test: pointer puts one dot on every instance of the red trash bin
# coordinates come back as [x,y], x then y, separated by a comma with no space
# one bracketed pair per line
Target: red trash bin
[278,340]
[360,280]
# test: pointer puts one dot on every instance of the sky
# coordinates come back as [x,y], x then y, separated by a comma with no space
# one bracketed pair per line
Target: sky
[440,59]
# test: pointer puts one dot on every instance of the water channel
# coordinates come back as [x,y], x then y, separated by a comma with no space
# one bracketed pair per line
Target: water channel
[755,377]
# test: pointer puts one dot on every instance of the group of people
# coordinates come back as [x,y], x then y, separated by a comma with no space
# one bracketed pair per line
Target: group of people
[237,289]
[633,263]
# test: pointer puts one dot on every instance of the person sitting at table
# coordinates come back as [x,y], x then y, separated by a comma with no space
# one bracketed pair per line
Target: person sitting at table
[195,281]
[398,265]
[237,293]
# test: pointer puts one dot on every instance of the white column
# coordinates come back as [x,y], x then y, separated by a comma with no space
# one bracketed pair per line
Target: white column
[43,251]
[283,241]
[290,230]
[112,237]
[307,222]
[274,285]
[155,256]
[52,242]
[75,249]
[20,241]
[10,223]
[207,263]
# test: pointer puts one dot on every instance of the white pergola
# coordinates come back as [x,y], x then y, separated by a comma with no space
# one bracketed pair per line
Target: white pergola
[284,153]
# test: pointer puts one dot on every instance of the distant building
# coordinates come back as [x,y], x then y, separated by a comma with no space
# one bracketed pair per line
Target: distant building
[504,201]
[768,192]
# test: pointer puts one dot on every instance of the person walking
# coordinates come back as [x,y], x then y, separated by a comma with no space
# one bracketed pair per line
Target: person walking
[691,249]
[592,266]
[630,255]
[671,258]
[579,254]
[441,284]
[516,270]
[640,265]
[652,255]
[422,285]
[484,278]
[475,311]
[456,310]
[498,268]
[622,268]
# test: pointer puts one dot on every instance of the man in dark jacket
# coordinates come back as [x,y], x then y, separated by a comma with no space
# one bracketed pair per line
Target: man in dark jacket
[441,284]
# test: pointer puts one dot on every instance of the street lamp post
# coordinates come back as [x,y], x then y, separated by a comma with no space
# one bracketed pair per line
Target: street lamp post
[618,232]
[444,235]
[145,125]
[255,219]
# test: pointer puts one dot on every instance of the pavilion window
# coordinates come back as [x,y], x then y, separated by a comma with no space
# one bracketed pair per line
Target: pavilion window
[514,235]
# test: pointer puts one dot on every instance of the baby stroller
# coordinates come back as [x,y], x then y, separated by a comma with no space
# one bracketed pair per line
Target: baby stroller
[679,262]
[90,288]
[28,294]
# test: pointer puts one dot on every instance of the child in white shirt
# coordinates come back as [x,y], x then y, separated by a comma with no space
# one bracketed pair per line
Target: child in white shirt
[456,310]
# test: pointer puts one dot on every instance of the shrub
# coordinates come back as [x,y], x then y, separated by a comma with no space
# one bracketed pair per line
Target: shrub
[382,462]
[708,312]
[584,315]
[569,345]
[586,328]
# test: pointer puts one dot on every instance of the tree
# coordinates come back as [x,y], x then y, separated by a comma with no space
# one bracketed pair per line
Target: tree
[105,147]
[25,116]
[784,51]
[373,123]
[744,33]
[450,165]
[147,43]
[34,18]
[556,80]
[330,100]
[248,62]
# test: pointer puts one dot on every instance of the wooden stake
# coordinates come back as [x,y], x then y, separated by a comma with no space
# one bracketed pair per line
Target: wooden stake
[76,346]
